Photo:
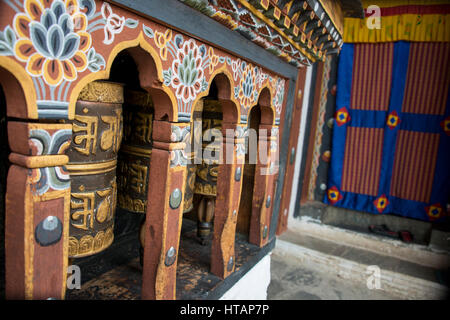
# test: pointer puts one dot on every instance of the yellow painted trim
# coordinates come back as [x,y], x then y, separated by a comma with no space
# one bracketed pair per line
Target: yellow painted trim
[66,240]
[28,241]
[224,70]
[50,126]
[104,74]
[25,81]
[52,195]
[257,103]
[91,168]
[33,162]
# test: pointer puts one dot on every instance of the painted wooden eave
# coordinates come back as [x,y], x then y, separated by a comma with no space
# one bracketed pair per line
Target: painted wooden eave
[299,32]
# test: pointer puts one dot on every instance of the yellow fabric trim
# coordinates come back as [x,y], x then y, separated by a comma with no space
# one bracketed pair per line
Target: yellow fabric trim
[396,3]
[407,27]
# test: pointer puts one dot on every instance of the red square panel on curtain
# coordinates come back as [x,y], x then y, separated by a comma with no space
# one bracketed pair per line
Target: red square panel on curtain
[362,160]
[414,165]
[372,74]
[427,79]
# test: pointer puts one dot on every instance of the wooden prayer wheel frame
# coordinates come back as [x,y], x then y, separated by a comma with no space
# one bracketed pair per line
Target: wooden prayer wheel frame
[41,99]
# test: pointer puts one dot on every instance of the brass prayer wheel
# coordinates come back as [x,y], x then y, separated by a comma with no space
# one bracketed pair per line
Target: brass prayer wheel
[207,171]
[194,139]
[135,154]
[96,139]
[190,185]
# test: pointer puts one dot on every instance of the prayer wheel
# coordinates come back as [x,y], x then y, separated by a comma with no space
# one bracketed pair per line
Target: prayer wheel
[206,180]
[134,156]
[207,171]
[135,153]
[96,139]
[190,185]
[194,140]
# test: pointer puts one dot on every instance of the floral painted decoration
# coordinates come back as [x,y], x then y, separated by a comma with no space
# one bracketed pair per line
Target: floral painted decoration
[55,41]
[114,23]
[279,95]
[52,40]
[187,69]
[51,37]
[247,94]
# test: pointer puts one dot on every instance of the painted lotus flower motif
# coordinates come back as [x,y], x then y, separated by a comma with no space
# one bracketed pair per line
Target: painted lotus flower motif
[52,39]
[247,87]
[188,72]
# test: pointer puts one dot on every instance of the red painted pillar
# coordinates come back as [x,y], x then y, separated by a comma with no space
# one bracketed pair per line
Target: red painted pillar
[229,185]
[37,211]
[264,188]
[164,210]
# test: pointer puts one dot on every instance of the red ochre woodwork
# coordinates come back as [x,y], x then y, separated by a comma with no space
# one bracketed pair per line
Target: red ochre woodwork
[39,87]
[37,187]
[263,191]
[290,165]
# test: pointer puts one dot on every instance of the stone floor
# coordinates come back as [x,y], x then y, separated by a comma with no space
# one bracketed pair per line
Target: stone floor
[291,281]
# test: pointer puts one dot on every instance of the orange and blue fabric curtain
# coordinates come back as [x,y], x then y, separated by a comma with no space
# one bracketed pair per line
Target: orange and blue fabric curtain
[391,139]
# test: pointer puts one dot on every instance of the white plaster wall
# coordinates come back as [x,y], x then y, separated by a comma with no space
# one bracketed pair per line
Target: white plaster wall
[253,285]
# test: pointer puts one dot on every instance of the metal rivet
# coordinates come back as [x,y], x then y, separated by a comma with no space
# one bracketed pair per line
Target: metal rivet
[285,212]
[175,198]
[230,264]
[330,123]
[234,212]
[48,231]
[237,174]
[265,232]
[268,202]
[50,223]
[170,257]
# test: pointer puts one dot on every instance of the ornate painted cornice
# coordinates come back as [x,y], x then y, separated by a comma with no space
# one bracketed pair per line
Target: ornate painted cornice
[299,32]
